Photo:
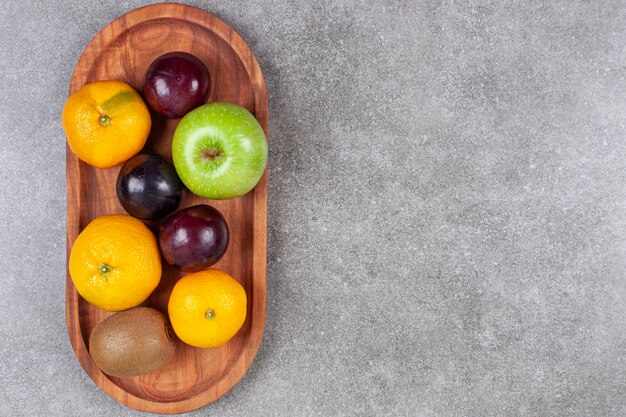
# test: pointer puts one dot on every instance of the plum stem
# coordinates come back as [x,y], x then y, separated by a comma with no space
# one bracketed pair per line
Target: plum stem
[210,314]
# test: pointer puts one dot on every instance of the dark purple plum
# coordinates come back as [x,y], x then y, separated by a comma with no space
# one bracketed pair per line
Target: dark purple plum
[194,238]
[148,187]
[175,84]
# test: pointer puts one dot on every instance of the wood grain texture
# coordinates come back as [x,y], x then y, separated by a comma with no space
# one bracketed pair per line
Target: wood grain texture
[123,50]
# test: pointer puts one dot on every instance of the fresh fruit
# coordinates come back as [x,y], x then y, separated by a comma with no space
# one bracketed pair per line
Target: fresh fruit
[115,262]
[194,238]
[106,123]
[207,308]
[131,343]
[219,151]
[148,187]
[176,83]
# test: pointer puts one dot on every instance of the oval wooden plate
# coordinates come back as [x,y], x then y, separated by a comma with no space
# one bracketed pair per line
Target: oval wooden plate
[123,50]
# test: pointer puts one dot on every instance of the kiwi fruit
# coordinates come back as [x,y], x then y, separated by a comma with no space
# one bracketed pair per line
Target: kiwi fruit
[132,342]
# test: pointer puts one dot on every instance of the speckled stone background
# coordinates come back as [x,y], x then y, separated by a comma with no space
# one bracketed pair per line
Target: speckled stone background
[447,208]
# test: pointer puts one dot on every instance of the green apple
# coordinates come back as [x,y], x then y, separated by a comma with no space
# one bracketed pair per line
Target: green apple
[219,151]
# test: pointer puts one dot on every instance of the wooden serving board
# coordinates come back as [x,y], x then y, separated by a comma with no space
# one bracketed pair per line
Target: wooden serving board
[123,50]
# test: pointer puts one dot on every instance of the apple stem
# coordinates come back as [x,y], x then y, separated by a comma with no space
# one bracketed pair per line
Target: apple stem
[210,314]
[105,120]
[209,154]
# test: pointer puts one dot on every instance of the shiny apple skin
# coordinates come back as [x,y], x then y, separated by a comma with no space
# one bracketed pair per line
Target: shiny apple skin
[194,238]
[175,84]
[148,187]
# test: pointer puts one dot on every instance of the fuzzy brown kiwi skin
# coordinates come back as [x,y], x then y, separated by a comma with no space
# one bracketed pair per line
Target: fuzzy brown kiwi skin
[132,342]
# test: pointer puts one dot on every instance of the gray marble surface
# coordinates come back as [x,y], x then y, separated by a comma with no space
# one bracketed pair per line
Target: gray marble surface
[447,208]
